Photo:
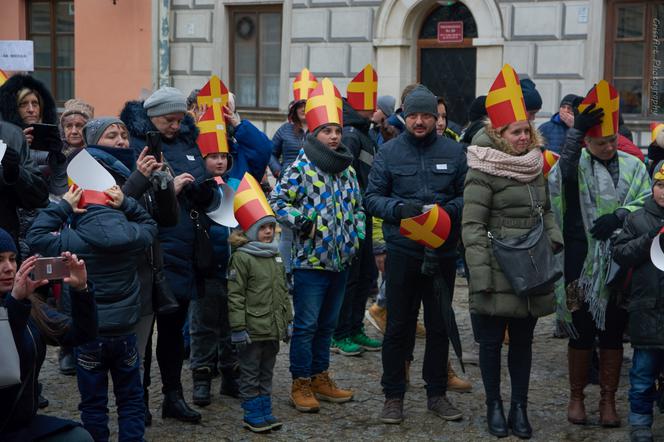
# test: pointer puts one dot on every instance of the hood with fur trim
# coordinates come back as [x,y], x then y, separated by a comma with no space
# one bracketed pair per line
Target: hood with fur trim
[9,106]
[488,136]
[135,117]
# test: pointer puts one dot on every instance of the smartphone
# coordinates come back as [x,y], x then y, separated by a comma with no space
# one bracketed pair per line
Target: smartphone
[46,137]
[50,268]
[153,141]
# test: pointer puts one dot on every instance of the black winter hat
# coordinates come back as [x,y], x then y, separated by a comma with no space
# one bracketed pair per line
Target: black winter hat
[569,100]
[530,95]
[477,108]
[420,100]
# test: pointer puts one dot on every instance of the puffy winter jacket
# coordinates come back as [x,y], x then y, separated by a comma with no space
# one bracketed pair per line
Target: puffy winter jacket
[554,132]
[356,138]
[427,171]
[111,242]
[646,301]
[286,142]
[257,294]
[332,201]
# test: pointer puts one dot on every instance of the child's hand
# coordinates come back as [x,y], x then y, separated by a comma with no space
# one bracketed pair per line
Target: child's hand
[73,196]
[240,339]
[115,196]
[78,275]
[289,333]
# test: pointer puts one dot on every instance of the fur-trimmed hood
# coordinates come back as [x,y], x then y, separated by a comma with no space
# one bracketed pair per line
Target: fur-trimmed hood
[9,107]
[135,117]
[488,136]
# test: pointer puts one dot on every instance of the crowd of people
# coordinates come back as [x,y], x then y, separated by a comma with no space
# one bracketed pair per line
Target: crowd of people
[352,196]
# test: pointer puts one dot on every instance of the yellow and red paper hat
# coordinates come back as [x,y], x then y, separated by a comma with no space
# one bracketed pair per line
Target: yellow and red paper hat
[655,129]
[430,229]
[212,137]
[324,106]
[550,160]
[362,91]
[605,97]
[504,102]
[214,91]
[3,77]
[304,84]
[250,204]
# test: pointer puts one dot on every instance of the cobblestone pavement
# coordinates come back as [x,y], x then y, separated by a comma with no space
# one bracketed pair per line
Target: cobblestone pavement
[358,420]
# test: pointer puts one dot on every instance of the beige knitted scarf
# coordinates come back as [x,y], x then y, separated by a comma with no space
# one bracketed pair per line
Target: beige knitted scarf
[524,168]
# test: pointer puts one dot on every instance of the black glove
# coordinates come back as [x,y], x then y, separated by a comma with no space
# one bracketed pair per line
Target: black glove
[201,194]
[408,210]
[604,226]
[305,229]
[590,117]
[10,164]
[430,263]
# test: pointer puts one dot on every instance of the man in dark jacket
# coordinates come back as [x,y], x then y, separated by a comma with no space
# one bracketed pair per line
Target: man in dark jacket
[417,168]
[349,337]
[21,183]
[555,130]
[165,111]
[110,241]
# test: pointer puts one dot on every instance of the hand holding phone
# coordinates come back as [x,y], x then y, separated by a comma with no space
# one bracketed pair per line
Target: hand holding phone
[153,141]
[51,268]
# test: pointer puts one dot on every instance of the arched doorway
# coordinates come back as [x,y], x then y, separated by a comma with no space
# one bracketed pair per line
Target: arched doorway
[449,69]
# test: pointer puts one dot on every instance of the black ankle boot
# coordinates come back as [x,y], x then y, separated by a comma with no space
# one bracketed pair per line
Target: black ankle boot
[229,386]
[495,418]
[174,406]
[518,421]
[202,380]
[146,401]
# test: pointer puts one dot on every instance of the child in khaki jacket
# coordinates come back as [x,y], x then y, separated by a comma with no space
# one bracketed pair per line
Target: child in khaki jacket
[259,312]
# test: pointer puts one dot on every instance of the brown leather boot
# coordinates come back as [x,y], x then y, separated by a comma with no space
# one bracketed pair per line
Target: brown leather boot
[455,383]
[610,362]
[578,363]
[302,397]
[326,389]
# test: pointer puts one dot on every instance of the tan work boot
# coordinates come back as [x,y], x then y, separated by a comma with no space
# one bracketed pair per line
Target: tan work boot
[302,397]
[377,316]
[455,383]
[326,390]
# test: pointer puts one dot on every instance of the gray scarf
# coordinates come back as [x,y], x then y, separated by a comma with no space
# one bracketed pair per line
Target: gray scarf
[261,249]
[326,159]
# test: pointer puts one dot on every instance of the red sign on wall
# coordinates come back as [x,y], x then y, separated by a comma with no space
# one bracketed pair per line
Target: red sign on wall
[450,32]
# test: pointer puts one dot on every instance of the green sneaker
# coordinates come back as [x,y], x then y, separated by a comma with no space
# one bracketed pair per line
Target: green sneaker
[367,343]
[345,347]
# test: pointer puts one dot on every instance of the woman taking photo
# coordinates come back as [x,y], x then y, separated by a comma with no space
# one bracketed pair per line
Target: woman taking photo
[505,194]
[33,325]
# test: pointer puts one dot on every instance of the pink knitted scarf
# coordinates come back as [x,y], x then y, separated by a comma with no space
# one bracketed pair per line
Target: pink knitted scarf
[524,168]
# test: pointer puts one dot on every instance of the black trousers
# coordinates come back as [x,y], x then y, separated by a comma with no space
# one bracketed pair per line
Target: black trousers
[489,333]
[360,280]
[610,338]
[406,288]
[170,347]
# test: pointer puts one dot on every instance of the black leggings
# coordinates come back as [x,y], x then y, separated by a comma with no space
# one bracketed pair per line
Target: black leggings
[170,347]
[489,333]
[609,339]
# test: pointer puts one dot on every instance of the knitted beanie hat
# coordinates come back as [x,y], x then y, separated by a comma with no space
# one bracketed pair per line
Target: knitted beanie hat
[165,100]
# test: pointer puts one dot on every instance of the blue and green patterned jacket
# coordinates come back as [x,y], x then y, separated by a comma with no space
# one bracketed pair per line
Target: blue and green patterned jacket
[333,202]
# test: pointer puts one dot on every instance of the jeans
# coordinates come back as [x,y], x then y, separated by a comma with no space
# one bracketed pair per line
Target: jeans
[285,247]
[489,332]
[94,360]
[360,279]
[610,338]
[316,301]
[210,329]
[646,367]
[256,368]
[407,287]
[170,347]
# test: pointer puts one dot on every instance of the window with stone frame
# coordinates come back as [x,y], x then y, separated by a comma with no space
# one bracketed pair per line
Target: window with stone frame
[255,54]
[51,27]
[634,57]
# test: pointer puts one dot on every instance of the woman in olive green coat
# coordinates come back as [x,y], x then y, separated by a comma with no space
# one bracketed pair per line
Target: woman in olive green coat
[505,193]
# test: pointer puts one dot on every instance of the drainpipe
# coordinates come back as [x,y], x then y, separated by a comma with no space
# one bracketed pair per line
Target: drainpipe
[161,52]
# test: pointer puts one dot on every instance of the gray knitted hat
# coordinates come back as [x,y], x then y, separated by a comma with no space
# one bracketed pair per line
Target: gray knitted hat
[165,100]
[420,100]
[386,103]
[252,232]
[94,129]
